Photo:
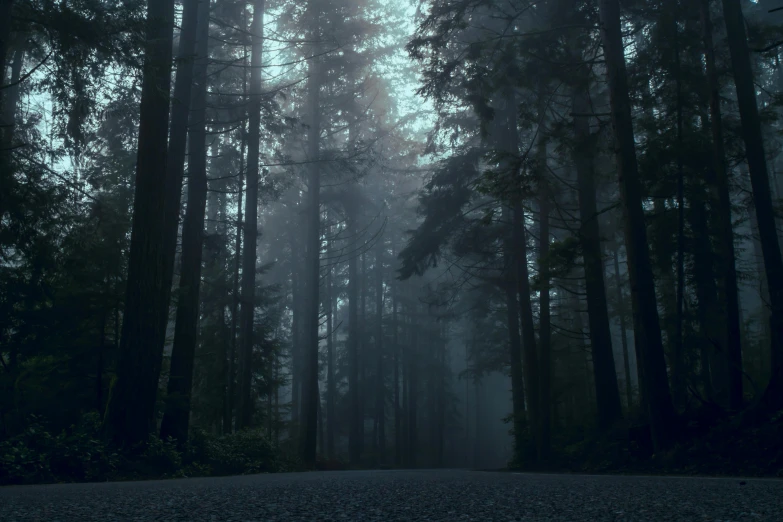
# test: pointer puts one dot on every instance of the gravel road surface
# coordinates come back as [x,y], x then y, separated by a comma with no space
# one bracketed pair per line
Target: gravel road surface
[401,495]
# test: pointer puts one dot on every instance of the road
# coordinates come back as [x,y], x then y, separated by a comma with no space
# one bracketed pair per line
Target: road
[448,495]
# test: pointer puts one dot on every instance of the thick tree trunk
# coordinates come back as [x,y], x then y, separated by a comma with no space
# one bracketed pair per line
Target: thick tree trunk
[762,198]
[647,326]
[718,180]
[178,134]
[247,317]
[177,410]
[310,343]
[131,412]
[606,390]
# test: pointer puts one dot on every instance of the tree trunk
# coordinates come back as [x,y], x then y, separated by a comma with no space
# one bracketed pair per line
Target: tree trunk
[380,399]
[397,412]
[331,385]
[356,428]
[245,377]
[530,350]
[177,410]
[606,390]
[131,413]
[510,287]
[623,327]
[178,135]
[678,357]
[308,433]
[647,326]
[413,392]
[718,180]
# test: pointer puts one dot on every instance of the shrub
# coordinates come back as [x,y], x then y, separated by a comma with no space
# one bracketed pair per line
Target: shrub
[76,454]
[247,451]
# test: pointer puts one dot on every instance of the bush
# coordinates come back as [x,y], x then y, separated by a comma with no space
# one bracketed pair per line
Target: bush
[78,454]
[244,452]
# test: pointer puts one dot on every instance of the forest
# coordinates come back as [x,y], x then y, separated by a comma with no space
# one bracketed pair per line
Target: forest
[243,236]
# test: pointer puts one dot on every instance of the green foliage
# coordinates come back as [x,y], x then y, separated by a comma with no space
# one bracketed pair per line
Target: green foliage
[244,452]
[77,454]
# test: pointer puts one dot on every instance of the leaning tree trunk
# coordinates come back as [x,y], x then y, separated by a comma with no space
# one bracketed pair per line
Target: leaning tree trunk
[177,413]
[647,325]
[245,402]
[606,391]
[131,411]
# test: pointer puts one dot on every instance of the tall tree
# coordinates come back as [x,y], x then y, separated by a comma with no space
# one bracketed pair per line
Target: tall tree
[247,318]
[131,411]
[310,394]
[762,196]
[177,413]
[649,343]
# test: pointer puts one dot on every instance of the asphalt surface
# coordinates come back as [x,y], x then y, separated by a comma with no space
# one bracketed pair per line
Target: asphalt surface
[401,495]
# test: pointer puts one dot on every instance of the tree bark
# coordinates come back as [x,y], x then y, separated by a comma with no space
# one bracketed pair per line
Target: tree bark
[178,135]
[131,413]
[246,331]
[606,389]
[718,181]
[380,399]
[310,343]
[331,385]
[176,416]
[647,326]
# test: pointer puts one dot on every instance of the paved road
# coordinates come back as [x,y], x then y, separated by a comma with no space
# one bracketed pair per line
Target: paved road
[451,495]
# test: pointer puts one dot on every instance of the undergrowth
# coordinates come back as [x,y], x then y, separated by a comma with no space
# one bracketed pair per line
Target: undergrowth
[706,445]
[82,454]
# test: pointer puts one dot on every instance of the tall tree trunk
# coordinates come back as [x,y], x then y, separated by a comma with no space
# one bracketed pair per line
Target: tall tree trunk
[718,180]
[380,399]
[606,390]
[331,385]
[231,393]
[544,324]
[510,286]
[177,410]
[623,327]
[678,358]
[647,326]
[131,413]
[355,428]
[6,7]
[246,331]
[762,198]
[397,412]
[413,391]
[310,343]
[530,350]
[178,135]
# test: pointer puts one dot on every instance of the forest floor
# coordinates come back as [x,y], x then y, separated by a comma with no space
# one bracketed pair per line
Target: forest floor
[401,495]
